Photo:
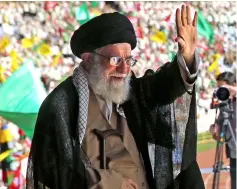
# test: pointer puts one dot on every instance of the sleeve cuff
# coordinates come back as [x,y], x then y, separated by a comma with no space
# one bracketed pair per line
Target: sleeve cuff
[196,63]
[189,79]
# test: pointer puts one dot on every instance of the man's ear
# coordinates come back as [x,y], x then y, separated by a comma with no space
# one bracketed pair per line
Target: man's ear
[86,57]
[87,60]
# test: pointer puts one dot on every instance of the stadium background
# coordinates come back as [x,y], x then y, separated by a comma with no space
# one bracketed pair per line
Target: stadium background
[35,57]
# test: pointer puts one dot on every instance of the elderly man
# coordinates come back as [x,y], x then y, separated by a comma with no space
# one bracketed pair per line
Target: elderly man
[104,128]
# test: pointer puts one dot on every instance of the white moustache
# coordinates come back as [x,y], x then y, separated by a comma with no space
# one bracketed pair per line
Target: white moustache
[118,75]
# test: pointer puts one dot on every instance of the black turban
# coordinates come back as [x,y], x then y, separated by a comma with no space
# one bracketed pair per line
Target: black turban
[108,28]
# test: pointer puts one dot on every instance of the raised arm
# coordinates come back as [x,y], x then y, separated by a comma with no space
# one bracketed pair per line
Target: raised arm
[175,78]
[186,34]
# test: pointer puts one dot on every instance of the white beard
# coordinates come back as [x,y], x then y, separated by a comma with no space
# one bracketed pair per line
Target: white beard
[117,92]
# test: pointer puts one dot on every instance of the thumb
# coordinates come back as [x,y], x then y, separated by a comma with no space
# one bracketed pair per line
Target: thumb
[180,42]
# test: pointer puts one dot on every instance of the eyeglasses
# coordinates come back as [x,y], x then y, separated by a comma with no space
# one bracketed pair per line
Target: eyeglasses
[117,60]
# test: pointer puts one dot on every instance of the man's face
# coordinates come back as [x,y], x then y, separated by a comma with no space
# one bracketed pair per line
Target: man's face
[220,83]
[115,74]
[111,82]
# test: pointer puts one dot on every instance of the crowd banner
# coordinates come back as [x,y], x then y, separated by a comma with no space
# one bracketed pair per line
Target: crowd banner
[21,96]
[205,28]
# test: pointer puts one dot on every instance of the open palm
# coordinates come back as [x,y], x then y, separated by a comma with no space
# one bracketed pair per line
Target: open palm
[187,32]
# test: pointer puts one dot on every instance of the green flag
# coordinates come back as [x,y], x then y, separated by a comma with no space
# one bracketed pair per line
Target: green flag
[205,28]
[36,47]
[82,14]
[66,37]
[21,96]
[95,4]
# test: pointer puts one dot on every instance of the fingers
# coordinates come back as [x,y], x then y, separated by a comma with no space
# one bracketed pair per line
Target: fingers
[195,19]
[129,184]
[184,18]
[126,185]
[183,15]
[188,12]
[178,20]
[134,185]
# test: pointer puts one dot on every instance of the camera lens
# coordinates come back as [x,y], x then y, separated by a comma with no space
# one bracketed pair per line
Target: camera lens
[222,94]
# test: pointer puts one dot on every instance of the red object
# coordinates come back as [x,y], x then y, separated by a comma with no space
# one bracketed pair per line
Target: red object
[49,5]
[17,180]
[139,32]
[138,6]
[60,31]
[21,132]
[180,100]
[4,176]
[167,19]
[162,50]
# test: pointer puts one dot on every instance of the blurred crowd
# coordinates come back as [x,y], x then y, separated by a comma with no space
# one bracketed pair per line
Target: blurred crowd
[41,31]
[14,150]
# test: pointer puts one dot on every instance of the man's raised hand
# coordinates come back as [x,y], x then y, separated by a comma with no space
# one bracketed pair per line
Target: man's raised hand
[186,33]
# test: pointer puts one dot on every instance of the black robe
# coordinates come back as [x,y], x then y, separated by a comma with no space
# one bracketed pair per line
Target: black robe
[55,161]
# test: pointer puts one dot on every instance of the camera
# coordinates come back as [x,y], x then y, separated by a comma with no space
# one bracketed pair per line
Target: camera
[222,94]
[220,97]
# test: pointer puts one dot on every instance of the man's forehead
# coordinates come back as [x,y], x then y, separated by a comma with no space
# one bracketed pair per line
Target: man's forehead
[117,46]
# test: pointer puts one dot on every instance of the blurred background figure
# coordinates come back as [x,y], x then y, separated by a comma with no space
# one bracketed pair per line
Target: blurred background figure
[6,144]
[227,80]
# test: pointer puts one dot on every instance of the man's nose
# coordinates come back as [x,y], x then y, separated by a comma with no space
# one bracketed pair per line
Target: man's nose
[123,68]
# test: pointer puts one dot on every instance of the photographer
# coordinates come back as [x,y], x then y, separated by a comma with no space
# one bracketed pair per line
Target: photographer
[227,80]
